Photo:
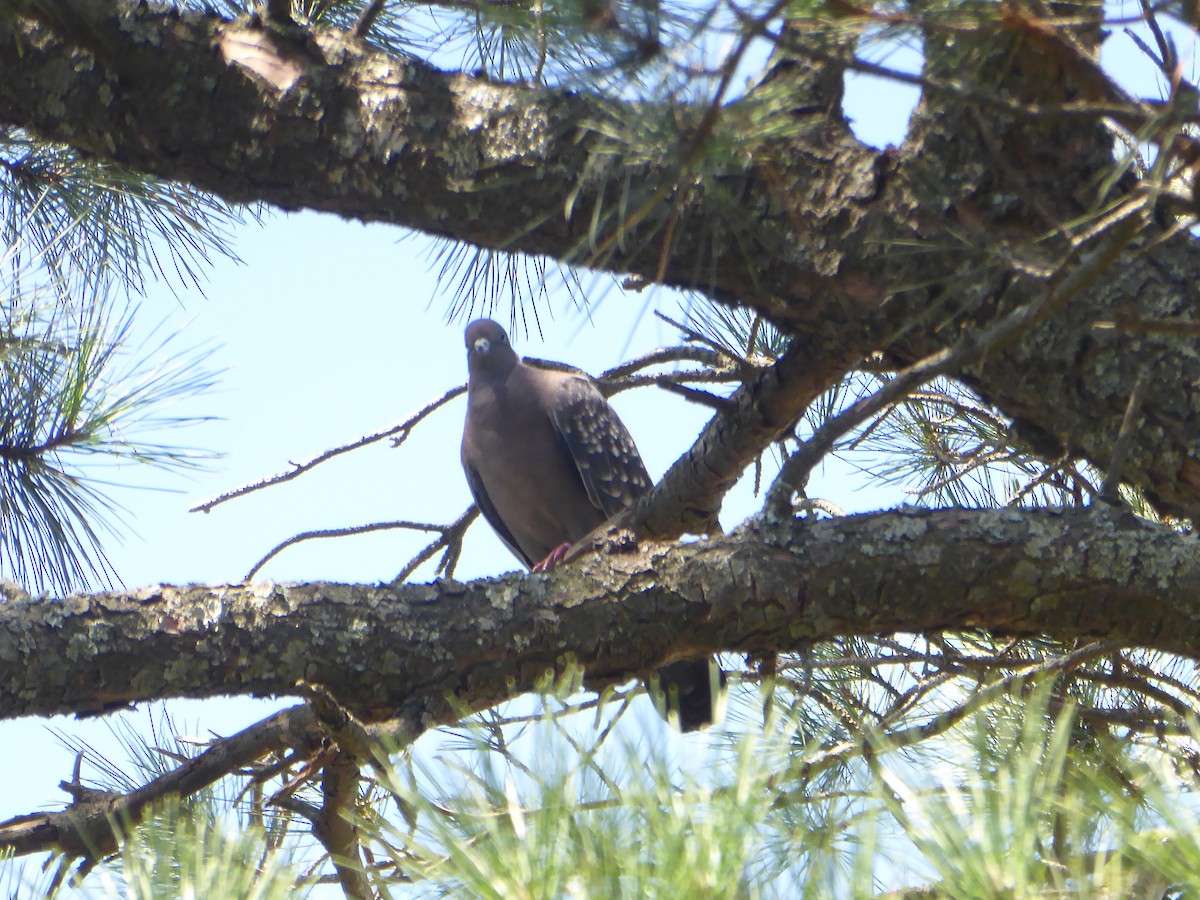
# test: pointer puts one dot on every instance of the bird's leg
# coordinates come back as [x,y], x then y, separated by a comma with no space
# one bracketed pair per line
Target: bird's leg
[557,555]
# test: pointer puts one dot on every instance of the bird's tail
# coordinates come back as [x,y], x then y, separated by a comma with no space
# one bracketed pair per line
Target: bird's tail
[689,693]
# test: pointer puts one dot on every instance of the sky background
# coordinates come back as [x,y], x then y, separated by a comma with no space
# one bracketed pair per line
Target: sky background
[329,330]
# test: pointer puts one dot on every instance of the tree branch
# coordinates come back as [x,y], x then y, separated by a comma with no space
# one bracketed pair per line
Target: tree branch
[398,433]
[424,653]
[318,120]
[86,828]
[335,825]
[688,497]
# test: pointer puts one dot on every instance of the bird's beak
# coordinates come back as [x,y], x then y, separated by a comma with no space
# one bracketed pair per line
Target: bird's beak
[482,346]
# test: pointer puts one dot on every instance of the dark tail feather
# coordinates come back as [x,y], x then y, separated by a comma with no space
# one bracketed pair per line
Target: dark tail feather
[690,688]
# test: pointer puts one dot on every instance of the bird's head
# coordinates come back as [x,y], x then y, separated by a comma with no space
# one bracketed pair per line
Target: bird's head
[488,349]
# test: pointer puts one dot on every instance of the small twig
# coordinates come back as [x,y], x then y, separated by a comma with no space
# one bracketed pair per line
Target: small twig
[401,428]
[1143,46]
[1110,487]
[712,359]
[1167,58]
[475,5]
[908,700]
[1148,675]
[760,412]
[307,774]
[1183,708]
[817,504]
[451,539]
[540,39]
[367,19]
[905,658]
[863,436]
[257,774]
[1171,325]
[694,395]
[668,380]
[1130,142]
[368,744]
[752,338]
[337,532]
[691,334]
[570,707]
[1042,478]
[961,405]
[450,536]
[963,468]
[1077,477]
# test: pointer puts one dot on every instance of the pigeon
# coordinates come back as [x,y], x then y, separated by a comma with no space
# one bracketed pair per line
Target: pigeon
[548,461]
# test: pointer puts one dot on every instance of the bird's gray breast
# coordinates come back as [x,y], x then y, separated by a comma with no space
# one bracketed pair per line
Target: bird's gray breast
[529,475]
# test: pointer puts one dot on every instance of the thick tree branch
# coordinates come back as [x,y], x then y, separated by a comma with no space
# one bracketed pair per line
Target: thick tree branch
[319,120]
[688,497]
[329,124]
[387,651]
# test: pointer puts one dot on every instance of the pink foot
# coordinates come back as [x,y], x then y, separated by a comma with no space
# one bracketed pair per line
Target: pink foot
[556,556]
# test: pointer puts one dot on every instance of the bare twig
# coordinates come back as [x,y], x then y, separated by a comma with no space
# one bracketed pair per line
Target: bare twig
[1044,477]
[367,19]
[693,395]
[1167,58]
[710,359]
[540,40]
[964,464]
[339,532]
[399,432]
[1111,485]
[816,504]
[357,745]
[618,379]
[752,337]
[669,381]
[1078,478]
[451,538]
[687,498]
[691,334]
[962,405]
[1117,104]
[1170,325]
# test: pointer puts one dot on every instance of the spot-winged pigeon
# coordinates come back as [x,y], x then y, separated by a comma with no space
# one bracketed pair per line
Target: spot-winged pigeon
[548,460]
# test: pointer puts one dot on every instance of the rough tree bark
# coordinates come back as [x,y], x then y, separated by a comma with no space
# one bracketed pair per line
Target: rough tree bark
[317,120]
[419,651]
